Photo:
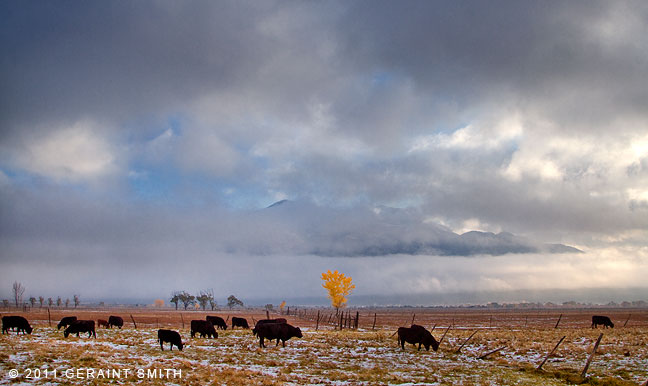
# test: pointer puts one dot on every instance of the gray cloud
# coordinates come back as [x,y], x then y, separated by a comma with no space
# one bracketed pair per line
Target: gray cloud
[126,126]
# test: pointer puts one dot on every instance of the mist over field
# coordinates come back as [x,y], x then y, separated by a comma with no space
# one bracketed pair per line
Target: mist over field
[436,152]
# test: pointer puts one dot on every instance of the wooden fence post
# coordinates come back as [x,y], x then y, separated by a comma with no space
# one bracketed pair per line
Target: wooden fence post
[317,323]
[357,319]
[133,319]
[550,353]
[267,314]
[444,334]
[466,341]
[413,316]
[492,352]
[373,327]
[49,318]
[626,322]
[589,360]
[182,319]
[558,322]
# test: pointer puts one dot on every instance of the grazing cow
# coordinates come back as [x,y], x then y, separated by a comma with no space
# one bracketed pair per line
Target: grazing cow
[417,334]
[102,323]
[116,321]
[604,320]
[278,331]
[80,326]
[239,322]
[170,336]
[17,322]
[267,321]
[217,321]
[66,321]
[204,328]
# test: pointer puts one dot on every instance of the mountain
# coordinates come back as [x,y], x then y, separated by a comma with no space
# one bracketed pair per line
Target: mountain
[305,228]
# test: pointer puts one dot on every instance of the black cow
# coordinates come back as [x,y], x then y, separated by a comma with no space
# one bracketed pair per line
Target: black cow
[116,321]
[170,336]
[80,326]
[267,321]
[239,322]
[204,328]
[17,322]
[217,321]
[278,331]
[102,323]
[417,334]
[66,321]
[604,320]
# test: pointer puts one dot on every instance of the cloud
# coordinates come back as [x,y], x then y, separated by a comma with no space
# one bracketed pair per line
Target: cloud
[73,153]
[504,116]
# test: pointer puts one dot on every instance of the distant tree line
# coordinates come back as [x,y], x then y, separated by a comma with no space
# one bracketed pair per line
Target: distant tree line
[18,291]
[203,299]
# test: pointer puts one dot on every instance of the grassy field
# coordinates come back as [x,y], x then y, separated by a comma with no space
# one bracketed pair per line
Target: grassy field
[329,356]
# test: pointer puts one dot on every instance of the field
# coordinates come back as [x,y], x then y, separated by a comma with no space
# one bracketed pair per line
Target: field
[366,356]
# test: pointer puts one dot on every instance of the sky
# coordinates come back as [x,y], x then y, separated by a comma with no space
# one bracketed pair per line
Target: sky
[423,148]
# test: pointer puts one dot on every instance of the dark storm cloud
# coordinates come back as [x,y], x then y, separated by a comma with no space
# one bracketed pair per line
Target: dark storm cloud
[126,128]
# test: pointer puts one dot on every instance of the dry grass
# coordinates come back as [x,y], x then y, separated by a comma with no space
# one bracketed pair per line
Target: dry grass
[330,357]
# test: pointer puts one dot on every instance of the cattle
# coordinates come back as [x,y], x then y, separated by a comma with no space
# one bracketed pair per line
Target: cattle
[170,336]
[102,323]
[80,326]
[604,320]
[204,328]
[278,331]
[217,321]
[66,321]
[17,322]
[116,321]
[239,322]
[267,321]
[417,334]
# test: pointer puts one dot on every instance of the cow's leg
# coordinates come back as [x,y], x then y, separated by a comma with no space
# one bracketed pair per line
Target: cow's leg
[419,347]
[284,343]
[171,346]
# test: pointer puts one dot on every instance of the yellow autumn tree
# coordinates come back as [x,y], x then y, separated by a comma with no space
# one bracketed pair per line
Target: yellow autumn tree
[282,306]
[338,286]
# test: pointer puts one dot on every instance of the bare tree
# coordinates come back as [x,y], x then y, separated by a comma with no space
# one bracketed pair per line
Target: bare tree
[5,303]
[50,302]
[203,299]
[232,301]
[76,301]
[212,302]
[18,291]
[40,301]
[175,298]
[186,299]
[32,301]
[67,302]
[58,301]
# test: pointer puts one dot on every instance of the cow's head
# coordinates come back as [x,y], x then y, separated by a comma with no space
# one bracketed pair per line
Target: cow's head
[298,332]
[430,341]
[180,345]
[29,329]
[66,333]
